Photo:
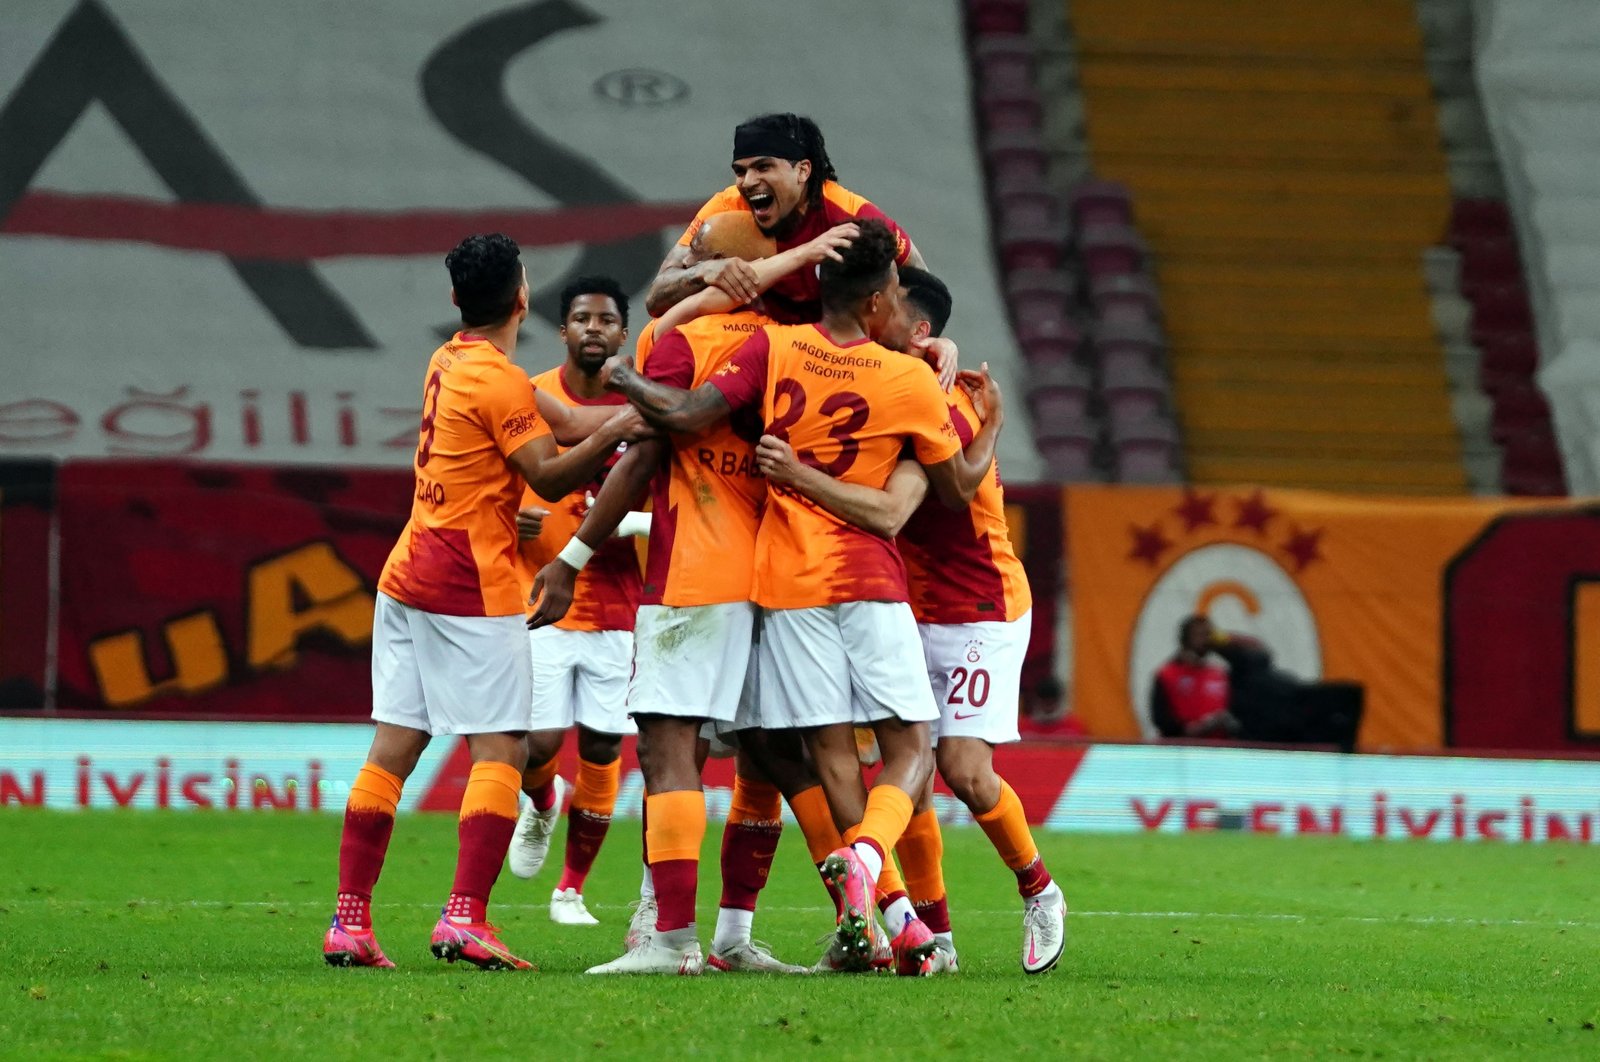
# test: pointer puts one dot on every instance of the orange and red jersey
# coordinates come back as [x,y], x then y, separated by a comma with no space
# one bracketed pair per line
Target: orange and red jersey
[457,553]
[606,595]
[959,562]
[848,409]
[708,497]
[798,294]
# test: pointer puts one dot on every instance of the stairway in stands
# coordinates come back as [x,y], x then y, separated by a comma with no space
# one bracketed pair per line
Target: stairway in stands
[1286,166]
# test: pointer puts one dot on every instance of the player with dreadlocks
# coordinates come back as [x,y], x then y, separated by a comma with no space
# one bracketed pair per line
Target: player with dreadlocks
[782,177]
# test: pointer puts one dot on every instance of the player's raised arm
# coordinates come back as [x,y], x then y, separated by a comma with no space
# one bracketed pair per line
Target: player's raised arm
[883,512]
[768,271]
[622,493]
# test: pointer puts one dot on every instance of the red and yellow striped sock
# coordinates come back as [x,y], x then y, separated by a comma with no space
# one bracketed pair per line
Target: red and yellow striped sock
[921,852]
[368,825]
[749,841]
[594,798]
[1007,826]
[539,783]
[488,817]
[673,839]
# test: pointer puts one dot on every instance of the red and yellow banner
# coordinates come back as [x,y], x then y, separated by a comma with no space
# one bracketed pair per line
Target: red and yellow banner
[1338,587]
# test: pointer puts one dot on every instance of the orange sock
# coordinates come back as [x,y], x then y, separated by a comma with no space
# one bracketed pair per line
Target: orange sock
[536,777]
[374,789]
[754,801]
[749,842]
[488,817]
[368,825]
[1007,826]
[594,798]
[890,885]
[888,811]
[595,788]
[537,782]
[921,852]
[676,830]
[810,807]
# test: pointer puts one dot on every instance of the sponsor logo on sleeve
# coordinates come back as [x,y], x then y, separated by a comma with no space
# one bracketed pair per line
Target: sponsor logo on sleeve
[520,423]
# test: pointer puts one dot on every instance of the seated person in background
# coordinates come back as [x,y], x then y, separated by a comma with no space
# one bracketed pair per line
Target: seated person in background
[1045,713]
[1248,699]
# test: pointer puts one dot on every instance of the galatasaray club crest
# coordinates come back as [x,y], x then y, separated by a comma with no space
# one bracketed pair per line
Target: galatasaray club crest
[1236,556]
[1224,555]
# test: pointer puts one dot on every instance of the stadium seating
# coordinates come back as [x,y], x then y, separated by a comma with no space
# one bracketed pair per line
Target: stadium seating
[1283,162]
[1076,273]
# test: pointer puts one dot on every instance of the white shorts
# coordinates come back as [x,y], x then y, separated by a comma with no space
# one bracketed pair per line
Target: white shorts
[855,662]
[691,661]
[449,674]
[581,677]
[976,673]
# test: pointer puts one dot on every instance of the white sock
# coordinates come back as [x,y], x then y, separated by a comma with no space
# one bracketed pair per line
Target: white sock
[899,912]
[870,857]
[647,885]
[677,939]
[733,928]
[947,940]
[1051,894]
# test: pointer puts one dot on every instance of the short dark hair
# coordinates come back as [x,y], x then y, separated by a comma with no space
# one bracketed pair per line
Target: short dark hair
[929,297]
[804,132]
[864,270]
[485,272]
[1190,621]
[595,285]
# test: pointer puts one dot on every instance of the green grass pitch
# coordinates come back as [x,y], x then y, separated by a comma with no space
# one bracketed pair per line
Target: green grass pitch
[140,935]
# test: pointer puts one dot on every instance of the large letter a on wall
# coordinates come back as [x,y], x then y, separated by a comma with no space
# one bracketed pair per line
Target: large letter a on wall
[91,59]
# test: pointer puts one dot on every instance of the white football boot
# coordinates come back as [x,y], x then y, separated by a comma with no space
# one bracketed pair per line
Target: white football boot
[751,956]
[1044,930]
[652,957]
[642,924]
[567,909]
[530,842]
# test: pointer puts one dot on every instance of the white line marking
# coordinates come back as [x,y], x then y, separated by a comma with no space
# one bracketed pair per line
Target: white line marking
[958,911]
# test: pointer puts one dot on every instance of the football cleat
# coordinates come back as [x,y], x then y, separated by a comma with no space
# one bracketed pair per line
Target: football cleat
[752,956]
[882,949]
[914,949]
[651,957]
[530,842]
[944,960]
[567,909]
[857,927]
[642,924]
[474,942]
[1044,930]
[343,946]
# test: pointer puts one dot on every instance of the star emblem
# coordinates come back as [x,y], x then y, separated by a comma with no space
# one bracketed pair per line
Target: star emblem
[1148,544]
[1302,547]
[1197,510]
[1255,513]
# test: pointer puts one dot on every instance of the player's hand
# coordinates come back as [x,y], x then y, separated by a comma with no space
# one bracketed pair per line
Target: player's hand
[984,392]
[732,275]
[552,593]
[530,521]
[776,460]
[628,425]
[615,368]
[942,354]
[830,243]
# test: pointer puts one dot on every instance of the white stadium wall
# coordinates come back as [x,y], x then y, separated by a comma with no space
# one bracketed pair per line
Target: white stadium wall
[1538,68]
[221,226]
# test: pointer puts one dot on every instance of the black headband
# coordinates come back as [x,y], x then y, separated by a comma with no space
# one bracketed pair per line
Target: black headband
[752,141]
